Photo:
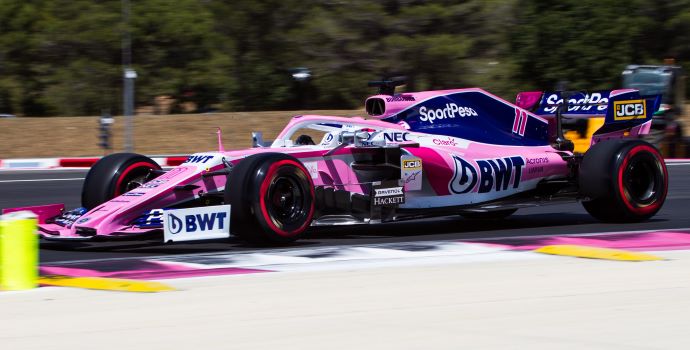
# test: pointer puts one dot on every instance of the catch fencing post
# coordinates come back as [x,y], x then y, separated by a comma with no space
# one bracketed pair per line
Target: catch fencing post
[18,251]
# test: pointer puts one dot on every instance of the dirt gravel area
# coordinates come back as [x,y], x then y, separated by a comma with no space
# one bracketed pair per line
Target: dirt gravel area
[153,135]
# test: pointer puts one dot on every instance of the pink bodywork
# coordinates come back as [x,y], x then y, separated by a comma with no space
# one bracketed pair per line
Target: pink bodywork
[332,168]
[43,212]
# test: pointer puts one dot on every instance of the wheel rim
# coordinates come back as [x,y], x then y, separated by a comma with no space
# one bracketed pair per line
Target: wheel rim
[642,180]
[134,183]
[286,201]
[132,177]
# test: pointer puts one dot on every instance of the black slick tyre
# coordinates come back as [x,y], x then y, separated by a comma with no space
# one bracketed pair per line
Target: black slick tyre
[624,181]
[114,175]
[271,197]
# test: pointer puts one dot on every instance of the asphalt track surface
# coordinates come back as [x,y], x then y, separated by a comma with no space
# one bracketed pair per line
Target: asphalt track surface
[36,187]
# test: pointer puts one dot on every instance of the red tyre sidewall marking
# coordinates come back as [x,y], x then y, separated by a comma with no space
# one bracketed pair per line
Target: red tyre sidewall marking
[264,189]
[127,171]
[621,188]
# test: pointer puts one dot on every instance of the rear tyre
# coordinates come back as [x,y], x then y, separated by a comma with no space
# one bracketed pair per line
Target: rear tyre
[271,197]
[114,175]
[488,215]
[625,181]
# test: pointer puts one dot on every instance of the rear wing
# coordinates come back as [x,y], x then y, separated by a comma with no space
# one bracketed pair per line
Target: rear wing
[617,106]
[626,113]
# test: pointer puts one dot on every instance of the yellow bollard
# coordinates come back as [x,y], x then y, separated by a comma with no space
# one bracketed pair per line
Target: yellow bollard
[18,251]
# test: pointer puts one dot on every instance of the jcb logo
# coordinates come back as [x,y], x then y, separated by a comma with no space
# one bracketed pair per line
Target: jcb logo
[408,164]
[631,109]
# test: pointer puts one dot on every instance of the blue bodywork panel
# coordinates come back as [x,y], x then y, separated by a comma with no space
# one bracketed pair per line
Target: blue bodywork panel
[477,116]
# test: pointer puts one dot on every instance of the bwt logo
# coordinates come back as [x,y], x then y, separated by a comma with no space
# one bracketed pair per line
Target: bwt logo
[198,159]
[196,222]
[631,109]
[490,174]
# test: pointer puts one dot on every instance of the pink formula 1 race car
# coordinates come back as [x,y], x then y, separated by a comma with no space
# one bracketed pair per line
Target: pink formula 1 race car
[422,154]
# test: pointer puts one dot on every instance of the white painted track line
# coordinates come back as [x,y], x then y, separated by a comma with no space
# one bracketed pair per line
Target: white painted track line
[42,180]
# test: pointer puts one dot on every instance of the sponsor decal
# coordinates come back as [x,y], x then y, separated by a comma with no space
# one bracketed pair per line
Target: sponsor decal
[400,98]
[411,172]
[387,195]
[196,223]
[445,142]
[412,163]
[377,143]
[385,192]
[412,177]
[68,218]
[389,201]
[488,174]
[629,109]
[540,160]
[154,183]
[450,111]
[404,125]
[327,140]
[313,168]
[81,221]
[196,159]
[134,194]
[396,136]
[152,218]
[595,101]
[535,170]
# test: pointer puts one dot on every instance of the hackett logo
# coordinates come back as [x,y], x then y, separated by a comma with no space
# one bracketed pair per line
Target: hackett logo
[389,200]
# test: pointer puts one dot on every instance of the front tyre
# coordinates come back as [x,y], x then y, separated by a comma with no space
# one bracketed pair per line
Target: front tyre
[114,175]
[626,181]
[271,197]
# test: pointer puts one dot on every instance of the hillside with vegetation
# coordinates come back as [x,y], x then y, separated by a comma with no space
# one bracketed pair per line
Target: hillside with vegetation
[64,57]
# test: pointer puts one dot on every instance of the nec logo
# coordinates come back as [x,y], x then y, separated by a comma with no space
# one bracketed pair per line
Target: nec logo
[196,222]
[396,136]
[198,159]
[630,109]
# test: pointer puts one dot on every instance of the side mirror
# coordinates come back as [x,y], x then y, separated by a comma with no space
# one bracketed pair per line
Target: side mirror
[257,139]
